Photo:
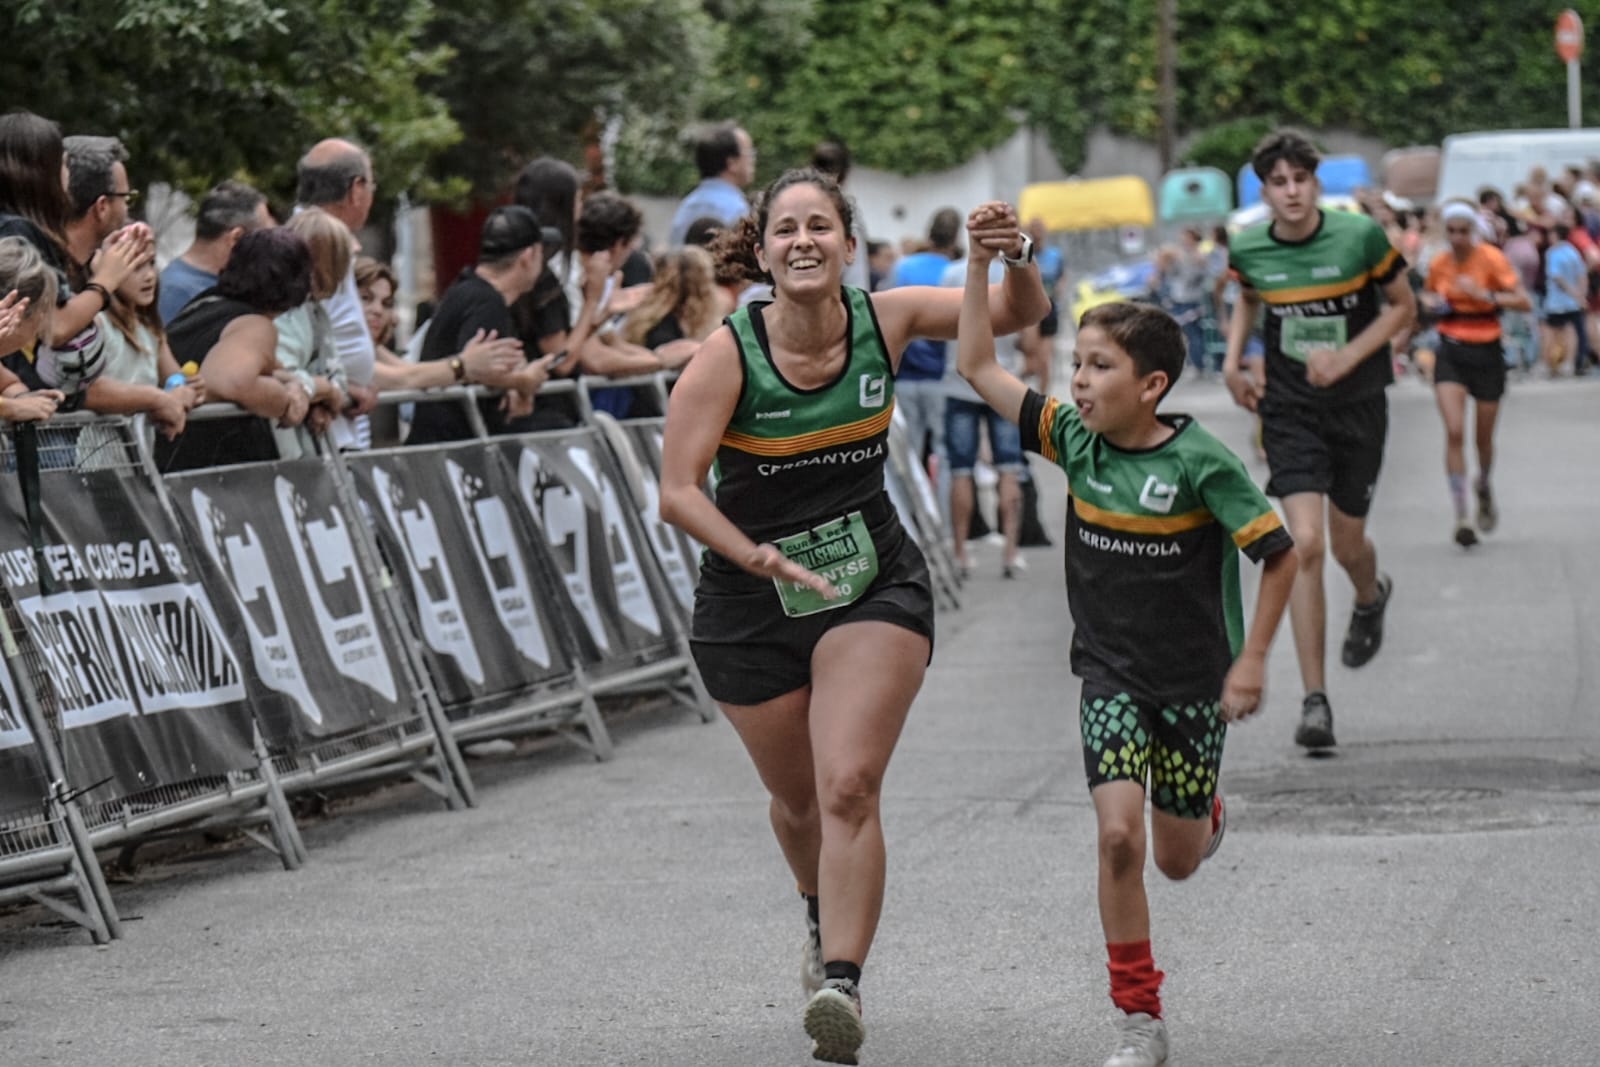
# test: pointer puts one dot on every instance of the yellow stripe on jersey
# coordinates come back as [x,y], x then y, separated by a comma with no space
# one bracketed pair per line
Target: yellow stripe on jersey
[1047,419]
[1257,528]
[1141,524]
[1332,289]
[810,442]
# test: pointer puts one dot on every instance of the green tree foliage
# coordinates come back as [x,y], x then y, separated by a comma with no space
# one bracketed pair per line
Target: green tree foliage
[908,86]
[531,76]
[1406,73]
[203,89]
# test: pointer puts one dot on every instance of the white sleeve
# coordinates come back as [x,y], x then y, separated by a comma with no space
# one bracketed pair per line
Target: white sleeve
[351,341]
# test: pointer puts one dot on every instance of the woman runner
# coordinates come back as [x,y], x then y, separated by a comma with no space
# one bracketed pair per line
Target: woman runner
[813,619]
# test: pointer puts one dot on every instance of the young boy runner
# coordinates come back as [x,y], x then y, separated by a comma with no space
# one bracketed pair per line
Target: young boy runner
[1158,511]
[1324,276]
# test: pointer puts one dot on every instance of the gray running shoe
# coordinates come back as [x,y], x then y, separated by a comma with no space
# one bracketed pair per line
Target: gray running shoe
[1466,537]
[1316,722]
[1488,517]
[1142,1042]
[1365,634]
[812,973]
[833,1021]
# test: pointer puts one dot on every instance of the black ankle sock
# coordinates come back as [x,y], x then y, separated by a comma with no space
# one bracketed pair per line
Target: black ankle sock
[811,908]
[842,969]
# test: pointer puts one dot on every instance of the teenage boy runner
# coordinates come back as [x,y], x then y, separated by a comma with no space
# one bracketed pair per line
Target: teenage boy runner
[1324,276]
[1158,512]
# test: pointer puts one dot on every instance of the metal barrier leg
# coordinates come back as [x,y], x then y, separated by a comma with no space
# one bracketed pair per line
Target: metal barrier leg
[285,832]
[94,894]
[598,738]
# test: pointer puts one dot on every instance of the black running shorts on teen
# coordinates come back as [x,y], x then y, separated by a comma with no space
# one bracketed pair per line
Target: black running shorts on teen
[1481,368]
[1173,750]
[1332,449]
[749,651]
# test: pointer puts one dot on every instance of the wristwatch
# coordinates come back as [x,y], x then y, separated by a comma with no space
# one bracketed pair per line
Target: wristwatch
[1023,258]
[458,368]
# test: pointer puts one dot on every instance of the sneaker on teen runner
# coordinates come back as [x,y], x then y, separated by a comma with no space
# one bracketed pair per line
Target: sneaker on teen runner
[1365,635]
[812,972]
[1488,517]
[1219,826]
[1316,722]
[833,1021]
[1142,1042]
[1466,536]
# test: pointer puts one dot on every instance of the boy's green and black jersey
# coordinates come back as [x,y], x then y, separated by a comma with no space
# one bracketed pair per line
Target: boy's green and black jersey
[1319,293]
[1153,543]
[791,458]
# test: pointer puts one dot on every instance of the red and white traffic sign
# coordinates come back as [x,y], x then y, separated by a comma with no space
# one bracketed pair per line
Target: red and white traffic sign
[1569,36]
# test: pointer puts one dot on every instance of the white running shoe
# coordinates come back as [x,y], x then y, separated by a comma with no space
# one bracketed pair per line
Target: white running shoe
[812,972]
[1142,1042]
[833,1021]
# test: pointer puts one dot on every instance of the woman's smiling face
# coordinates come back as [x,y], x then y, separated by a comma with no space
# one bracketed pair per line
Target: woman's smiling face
[805,246]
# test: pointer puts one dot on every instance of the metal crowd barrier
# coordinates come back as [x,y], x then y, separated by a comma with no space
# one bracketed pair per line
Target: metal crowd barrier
[189,650]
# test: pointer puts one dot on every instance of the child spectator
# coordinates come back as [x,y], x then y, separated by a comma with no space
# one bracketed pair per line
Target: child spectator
[1157,511]
[681,308]
[30,287]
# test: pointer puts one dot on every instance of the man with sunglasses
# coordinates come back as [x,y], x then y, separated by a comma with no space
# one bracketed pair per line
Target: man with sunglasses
[1469,285]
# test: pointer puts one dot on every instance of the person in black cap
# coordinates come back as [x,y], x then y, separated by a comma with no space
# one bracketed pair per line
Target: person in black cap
[477,307]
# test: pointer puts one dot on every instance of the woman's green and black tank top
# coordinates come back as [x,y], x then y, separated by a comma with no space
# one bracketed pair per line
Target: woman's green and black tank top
[793,457]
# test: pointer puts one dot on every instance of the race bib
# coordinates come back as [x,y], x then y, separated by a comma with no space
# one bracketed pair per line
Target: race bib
[842,552]
[1301,336]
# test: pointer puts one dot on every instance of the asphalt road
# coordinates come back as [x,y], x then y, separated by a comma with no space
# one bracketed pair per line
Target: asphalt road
[1428,895]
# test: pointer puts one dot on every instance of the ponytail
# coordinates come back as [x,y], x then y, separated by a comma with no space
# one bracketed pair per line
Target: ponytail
[734,250]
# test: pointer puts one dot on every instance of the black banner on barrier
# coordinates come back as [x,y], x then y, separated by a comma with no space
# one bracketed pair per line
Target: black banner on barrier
[568,483]
[450,524]
[137,667]
[677,552]
[22,784]
[320,666]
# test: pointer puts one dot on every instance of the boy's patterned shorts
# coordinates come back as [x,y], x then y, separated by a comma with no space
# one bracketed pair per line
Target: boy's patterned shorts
[1173,750]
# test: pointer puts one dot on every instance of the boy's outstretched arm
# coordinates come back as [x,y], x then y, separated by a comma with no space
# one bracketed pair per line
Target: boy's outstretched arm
[975,360]
[1242,689]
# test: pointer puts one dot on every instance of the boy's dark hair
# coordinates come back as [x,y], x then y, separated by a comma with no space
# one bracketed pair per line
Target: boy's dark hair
[714,147]
[1152,338]
[606,219]
[1291,145]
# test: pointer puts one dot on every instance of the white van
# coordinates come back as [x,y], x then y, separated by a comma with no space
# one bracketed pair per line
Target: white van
[1502,158]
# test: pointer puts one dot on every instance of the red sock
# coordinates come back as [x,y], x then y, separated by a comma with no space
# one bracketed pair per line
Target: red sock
[1135,982]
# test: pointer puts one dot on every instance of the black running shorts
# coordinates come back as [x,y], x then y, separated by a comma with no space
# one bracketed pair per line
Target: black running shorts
[1481,368]
[749,651]
[1335,450]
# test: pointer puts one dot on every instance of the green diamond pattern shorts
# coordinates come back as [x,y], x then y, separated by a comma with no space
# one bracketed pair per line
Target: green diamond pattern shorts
[1173,750]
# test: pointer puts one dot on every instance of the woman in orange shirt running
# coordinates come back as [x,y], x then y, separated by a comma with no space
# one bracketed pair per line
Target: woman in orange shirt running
[1469,285]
